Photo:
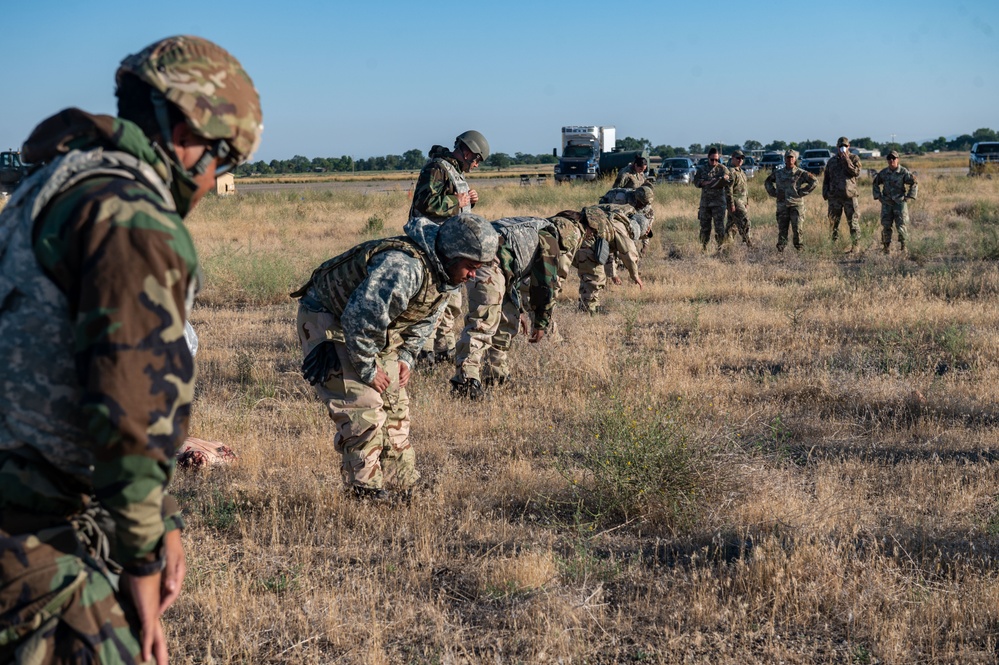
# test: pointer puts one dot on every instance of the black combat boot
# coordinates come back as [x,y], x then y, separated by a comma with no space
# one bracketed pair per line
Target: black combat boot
[445,356]
[470,388]
[371,494]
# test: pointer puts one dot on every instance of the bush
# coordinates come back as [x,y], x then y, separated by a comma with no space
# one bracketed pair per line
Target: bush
[634,464]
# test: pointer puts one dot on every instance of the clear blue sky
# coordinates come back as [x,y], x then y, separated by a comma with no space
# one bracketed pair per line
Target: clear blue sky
[366,78]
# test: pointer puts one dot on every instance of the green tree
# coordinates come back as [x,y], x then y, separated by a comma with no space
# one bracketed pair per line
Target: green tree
[777,145]
[412,160]
[695,148]
[500,160]
[985,134]
[752,145]
[629,143]
[864,143]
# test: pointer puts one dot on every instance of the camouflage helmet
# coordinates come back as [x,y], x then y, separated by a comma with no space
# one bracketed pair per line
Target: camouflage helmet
[643,196]
[842,141]
[207,85]
[475,142]
[466,236]
[599,221]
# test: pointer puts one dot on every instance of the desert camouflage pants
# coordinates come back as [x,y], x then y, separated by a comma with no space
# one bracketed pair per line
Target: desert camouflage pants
[712,214]
[897,215]
[739,220]
[59,605]
[592,277]
[789,216]
[837,208]
[490,326]
[372,428]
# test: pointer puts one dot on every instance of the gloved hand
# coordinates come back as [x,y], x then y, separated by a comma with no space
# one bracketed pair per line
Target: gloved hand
[320,363]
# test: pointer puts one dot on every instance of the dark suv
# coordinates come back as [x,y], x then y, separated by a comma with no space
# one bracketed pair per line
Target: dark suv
[676,169]
[814,161]
[984,156]
[772,161]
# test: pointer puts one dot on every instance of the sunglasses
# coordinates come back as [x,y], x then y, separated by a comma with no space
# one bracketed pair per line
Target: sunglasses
[227,158]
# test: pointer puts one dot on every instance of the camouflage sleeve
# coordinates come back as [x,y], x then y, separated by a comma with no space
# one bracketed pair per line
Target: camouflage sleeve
[544,279]
[852,165]
[430,197]
[770,184]
[808,183]
[876,186]
[415,336]
[826,183]
[393,279]
[699,176]
[625,248]
[910,180]
[126,266]
[729,187]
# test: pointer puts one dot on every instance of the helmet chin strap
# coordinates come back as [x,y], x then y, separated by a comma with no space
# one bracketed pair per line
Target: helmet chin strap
[166,131]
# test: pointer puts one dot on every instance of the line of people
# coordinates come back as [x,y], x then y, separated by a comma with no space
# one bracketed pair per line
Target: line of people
[724,192]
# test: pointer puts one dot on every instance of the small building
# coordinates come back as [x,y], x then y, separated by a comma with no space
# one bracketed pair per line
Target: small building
[866,154]
[225,184]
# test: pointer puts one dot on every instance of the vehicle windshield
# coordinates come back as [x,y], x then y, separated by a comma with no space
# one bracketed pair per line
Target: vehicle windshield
[987,149]
[771,158]
[577,151]
[675,163]
[816,153]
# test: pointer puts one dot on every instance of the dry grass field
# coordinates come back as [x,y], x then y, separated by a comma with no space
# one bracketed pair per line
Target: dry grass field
[756,459]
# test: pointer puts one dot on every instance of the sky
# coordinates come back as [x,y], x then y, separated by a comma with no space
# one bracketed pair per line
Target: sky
[376,77]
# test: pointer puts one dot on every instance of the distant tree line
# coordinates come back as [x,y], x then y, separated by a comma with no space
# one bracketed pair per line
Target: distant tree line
[412,160]
[961,143]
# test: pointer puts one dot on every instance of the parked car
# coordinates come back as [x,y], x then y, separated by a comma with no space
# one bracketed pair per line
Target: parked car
[749,166]
[772,161]
[984,155]
[677,169]
[814,161]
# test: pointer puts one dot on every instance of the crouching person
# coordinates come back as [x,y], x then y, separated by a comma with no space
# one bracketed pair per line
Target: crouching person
[363,317]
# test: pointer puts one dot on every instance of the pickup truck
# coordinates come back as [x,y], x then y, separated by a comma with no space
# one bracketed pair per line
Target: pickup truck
[814,161]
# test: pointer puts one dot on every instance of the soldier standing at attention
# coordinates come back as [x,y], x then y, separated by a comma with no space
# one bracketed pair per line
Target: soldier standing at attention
[363,316]
[738,199]
[713,180]
[789,186]
[442,192]
[894,187]
[839,188]
[99,274]
[633,175]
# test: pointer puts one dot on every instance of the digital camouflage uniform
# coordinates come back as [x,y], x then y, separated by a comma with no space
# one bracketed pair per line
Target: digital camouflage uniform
[611,226]
[789,187]
[628,179]
[893,189]
[839,188]
[435,197]
[529,252]
[738,196]
[95,385]
[714,201]
[377,303]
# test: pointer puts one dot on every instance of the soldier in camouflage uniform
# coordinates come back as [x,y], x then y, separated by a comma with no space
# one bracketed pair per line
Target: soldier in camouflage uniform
[738,199]
[97,275]
[839,188]
[363,317]
[641,199]
[894,187]
[611,230]
[530,252]
[441,192]
[789,186]
[713,180]
[633,175]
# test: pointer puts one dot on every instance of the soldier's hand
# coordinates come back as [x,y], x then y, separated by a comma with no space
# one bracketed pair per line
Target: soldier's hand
[145,594]
[638,280]
[731,209]
[463,200]
[617,280]
[525,324]
[473,196]
[382,381]
[536,336]
[174,571]
[404,374]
